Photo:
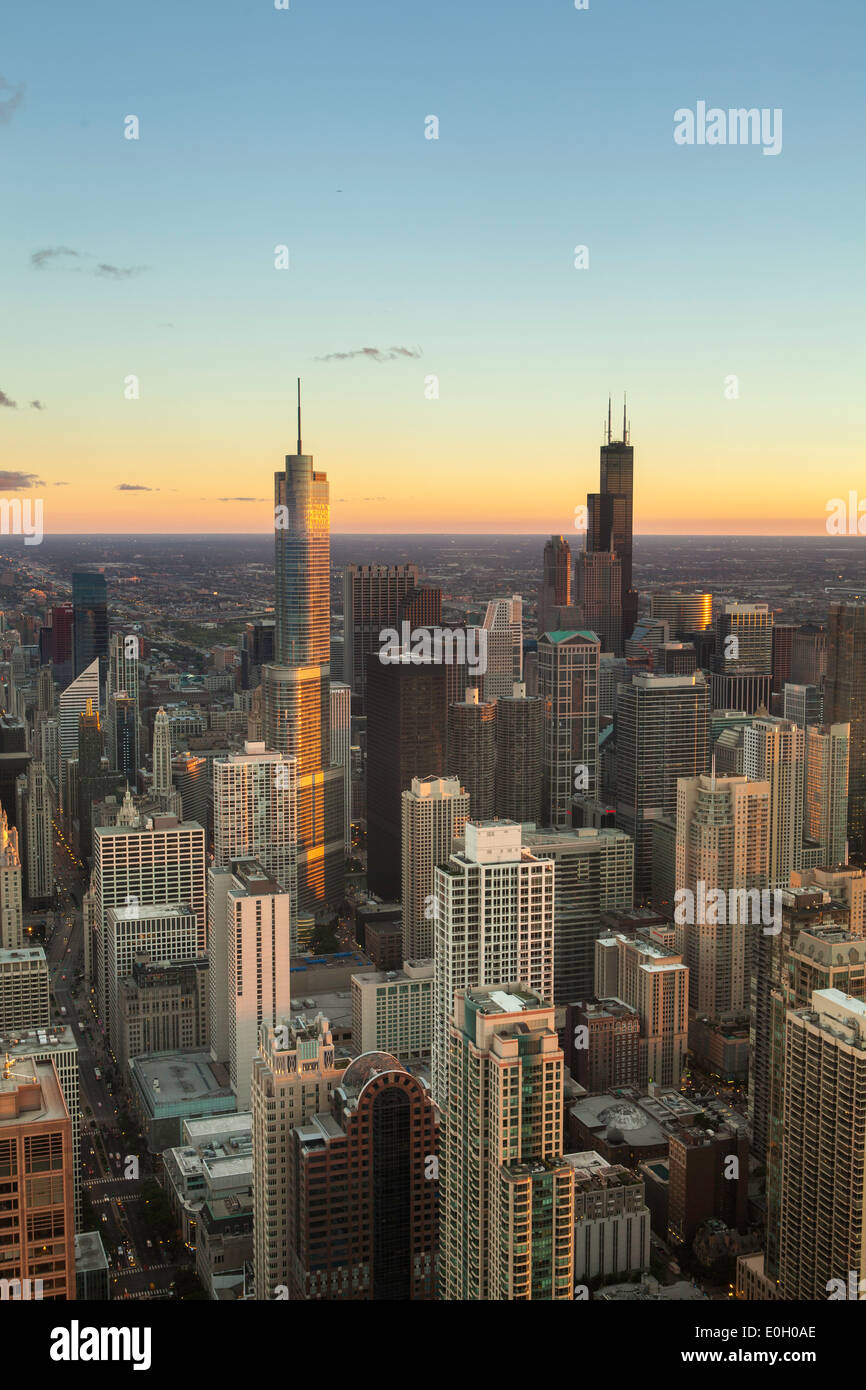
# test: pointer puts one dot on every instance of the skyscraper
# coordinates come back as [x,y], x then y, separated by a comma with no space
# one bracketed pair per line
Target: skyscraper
[406,735]
[519,726]
[435,810]
[598,596]
[594,874]
[296,699]
[255,811]
[845,703]
[774,751]
[722,843]
[826,805]
[743,663]
[250,976]
[686,612]
[11,915]
[609,521]
[135,867]
[662,735]
[472,751]
[503,626]
[162,785]
[507,1195]
[341,750]
[123,685]
[493,920]
[375,598]
[823,1199]
[555,589]
[568,685]
[90,620]
[73,703]
[38,832]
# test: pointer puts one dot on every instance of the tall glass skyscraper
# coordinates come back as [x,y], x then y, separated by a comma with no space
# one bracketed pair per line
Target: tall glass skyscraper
[90,619]
[296,684]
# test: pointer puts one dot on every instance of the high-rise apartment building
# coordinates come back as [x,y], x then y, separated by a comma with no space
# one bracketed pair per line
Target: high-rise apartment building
[255,811]
[472,750]
[822,1213]
[594,874]
[37,1160]
[662,735]
[774,751]
[519,729]
[722,848]
[493,920]
[507,1194]
[122,700]
[435,811]
[296,699]
[826,803]
[250,951]
[568,684]
[555,591]
[406,738]
[845,703]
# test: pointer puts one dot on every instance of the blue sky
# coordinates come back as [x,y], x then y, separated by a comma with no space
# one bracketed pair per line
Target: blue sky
[555,129]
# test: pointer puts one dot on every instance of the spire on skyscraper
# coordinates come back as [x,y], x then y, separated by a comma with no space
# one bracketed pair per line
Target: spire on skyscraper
[299,416]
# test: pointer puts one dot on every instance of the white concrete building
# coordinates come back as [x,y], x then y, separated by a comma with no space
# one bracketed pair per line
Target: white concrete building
[493,921]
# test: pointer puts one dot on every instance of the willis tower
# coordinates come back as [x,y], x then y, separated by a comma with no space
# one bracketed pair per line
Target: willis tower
[297,684]
[603,573]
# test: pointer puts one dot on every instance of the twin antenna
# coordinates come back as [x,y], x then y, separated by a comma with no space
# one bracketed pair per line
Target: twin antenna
[625,427]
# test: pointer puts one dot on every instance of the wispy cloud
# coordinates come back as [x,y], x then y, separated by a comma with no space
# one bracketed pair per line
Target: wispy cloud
[134,487]
[4,400]
[119,272]
[50,253]
[13,481]
[373,354]
[36,405]
[9,104]
[61,255]
[61,485]
[240,499]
